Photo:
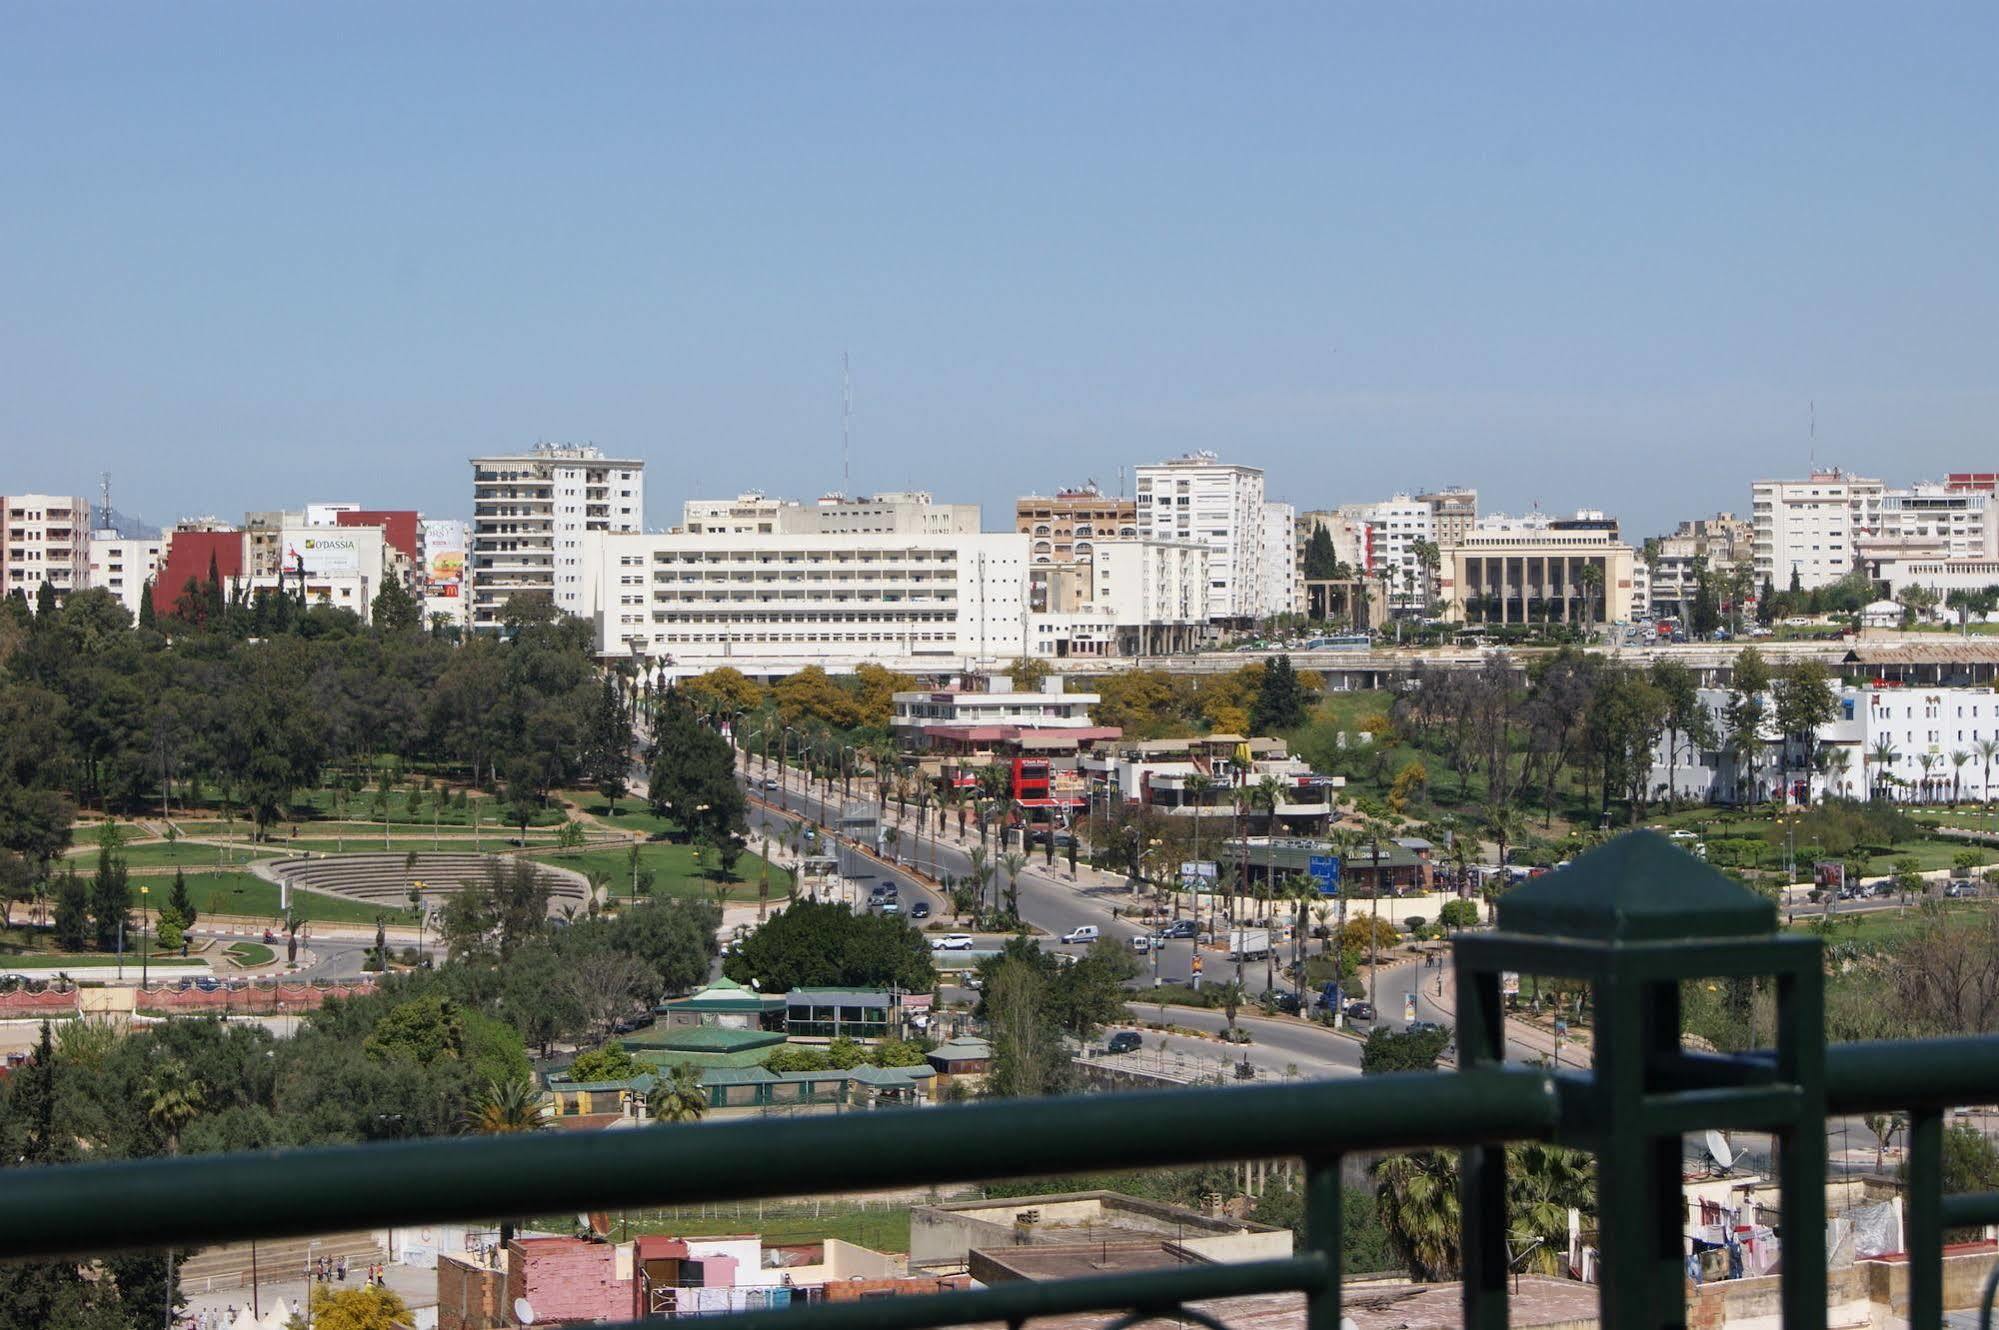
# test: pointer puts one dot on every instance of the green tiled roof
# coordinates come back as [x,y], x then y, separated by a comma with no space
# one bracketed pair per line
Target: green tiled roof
[639,1084]
[892,1075]
[702,1039]
[838,996]
[738,1076]
[662,1057]
[1637,888]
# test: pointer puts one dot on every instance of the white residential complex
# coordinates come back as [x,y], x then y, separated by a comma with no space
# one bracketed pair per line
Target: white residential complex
[1393,527]
[1135,598]
[531,515]
[1812,527]
[908,513]
[1201,499]
[773,604]
[45,538]
[1924,732]
[123,566]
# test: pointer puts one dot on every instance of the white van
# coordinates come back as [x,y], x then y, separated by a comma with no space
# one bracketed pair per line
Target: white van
[1083,933]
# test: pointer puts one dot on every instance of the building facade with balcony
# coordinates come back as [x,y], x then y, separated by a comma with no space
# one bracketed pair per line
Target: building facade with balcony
[1199,499]
[770,605]
[1064,527]
[1812,527]
[532,516]
[44,538]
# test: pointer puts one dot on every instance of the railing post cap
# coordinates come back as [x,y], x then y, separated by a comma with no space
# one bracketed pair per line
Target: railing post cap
[1639,887]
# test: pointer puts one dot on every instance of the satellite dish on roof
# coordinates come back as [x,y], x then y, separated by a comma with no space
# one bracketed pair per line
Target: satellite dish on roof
[522,1312]
[1719,1150]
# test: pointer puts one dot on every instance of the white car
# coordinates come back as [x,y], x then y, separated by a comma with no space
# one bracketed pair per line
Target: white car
[1141,944]
[951,942]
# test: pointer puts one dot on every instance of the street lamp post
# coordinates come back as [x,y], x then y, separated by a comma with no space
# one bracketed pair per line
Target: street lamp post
[145,920]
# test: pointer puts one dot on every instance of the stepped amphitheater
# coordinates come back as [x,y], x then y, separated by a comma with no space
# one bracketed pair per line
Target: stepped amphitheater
[384,879]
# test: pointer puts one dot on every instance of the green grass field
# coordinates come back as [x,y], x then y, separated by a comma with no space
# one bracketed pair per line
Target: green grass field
[250,954]
[313,805]
[630,815]
[181,854]
[246,894]
[676,872]
[49,960]
[879,1227]
[1885,927]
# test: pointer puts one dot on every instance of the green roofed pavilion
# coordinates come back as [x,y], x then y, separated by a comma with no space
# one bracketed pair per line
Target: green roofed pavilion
[1637,888]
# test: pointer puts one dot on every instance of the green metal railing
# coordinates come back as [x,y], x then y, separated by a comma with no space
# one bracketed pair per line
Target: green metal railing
[1630,1110]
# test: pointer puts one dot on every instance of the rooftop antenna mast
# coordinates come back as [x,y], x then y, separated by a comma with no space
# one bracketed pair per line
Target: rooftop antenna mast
[846,423]
[104,501]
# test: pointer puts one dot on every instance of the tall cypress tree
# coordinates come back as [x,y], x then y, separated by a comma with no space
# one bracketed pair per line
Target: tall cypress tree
[146,605]
[110,895]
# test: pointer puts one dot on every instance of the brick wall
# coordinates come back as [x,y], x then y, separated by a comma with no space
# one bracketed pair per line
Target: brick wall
[469,1297]
[854,1290]
[566,1279]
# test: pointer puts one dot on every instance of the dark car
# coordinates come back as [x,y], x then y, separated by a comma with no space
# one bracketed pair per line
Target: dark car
[920,910]
[1286,1003]
[1422,1027]
[1124,1041]
[1360,1011]
[1179,928]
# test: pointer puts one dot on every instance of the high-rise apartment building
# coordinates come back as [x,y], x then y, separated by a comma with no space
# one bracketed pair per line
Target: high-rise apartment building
[1280,561]
[1810,530]
[1065,526]
[531,514]
[1201,499]
[1394,526]
[45,538]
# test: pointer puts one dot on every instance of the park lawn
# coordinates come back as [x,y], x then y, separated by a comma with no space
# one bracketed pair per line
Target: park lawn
[318,805]
[247,894]
[180,854]
[1967,819]
[628,814]
[249,955]
[676,871]
[1883,927]
[1928,854]
[879,1227]
[95,960]
[1345,711]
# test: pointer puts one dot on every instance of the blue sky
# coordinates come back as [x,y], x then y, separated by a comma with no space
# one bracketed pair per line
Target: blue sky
[1573,254]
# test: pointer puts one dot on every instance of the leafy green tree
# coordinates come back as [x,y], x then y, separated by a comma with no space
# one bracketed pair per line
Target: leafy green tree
[1280,698]
[693,781]
[825,944]
[110,893]
[180,902]
[1458,914]
[607,748]
[1322,563]
[72,918]
[369,1307]
[1391,1050]
[609,1063]
[395,611]
[1028,1057]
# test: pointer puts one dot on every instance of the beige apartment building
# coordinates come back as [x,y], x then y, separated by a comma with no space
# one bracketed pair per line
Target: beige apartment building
[1064,527]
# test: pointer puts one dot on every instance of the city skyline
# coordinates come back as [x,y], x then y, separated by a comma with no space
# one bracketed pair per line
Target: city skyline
[1584,258]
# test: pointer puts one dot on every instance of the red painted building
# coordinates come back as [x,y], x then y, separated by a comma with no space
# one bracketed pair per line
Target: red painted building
[400,527]
[189,554]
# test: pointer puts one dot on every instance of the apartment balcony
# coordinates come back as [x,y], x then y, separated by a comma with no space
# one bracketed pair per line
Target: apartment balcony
[1634,920]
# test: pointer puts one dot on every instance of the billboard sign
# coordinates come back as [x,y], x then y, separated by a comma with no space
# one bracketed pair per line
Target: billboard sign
[444,544]
[1828,875]
[1325,870]
[1198,875]
[322,554]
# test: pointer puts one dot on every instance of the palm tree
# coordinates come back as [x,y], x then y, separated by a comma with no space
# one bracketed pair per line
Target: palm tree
[1416,1198]
[1591,578]
[1928,762]
[1011,863]
[1958,758]
[502,1108]
[678,1097]
[1230,995]
[1832,763]
[1884,756]
[174,1098]
[1543,1183]
[1987,750]
[1196,789]
[977,854]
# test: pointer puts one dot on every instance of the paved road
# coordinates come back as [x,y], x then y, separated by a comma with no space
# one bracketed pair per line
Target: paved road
[1054,903]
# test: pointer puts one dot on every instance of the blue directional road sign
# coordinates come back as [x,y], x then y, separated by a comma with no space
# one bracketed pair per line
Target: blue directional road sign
[1325,870]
